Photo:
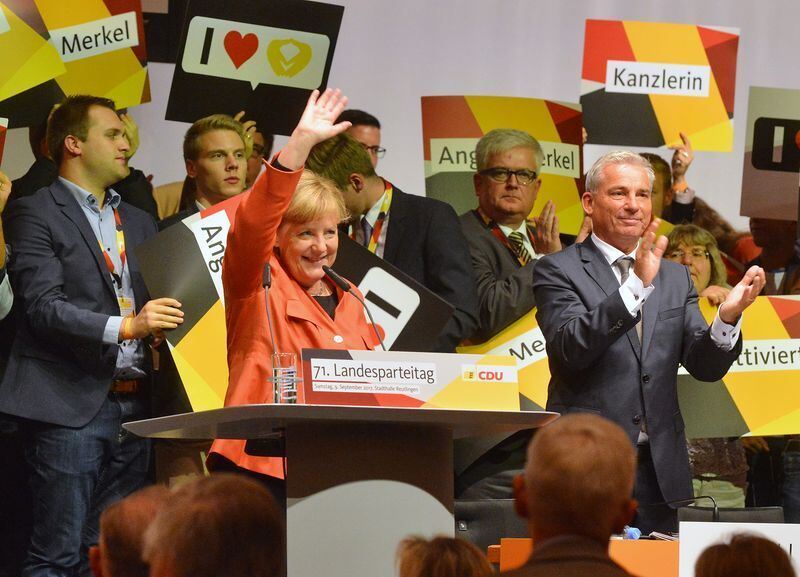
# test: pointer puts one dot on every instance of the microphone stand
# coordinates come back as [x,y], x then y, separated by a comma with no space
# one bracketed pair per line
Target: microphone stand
[345,286]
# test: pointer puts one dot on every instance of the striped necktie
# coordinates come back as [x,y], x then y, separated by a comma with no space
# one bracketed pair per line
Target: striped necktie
[516,240]
[366,227]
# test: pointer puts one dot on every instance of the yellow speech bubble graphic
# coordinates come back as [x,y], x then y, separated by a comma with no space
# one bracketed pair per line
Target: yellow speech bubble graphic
[288,57]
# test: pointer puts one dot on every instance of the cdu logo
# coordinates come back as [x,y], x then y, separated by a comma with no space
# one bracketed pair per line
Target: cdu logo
[776,144]
[255,53]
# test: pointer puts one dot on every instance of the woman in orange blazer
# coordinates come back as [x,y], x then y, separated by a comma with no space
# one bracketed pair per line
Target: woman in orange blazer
[289,219]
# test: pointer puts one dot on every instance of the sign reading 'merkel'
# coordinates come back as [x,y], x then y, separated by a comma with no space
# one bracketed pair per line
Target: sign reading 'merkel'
[96,37]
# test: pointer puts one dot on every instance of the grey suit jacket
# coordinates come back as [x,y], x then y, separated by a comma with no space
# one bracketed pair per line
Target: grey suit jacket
[59,370]
[598,365]
[569,556]
[504,286]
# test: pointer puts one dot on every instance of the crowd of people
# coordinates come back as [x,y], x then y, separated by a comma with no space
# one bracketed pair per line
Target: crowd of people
[84,347]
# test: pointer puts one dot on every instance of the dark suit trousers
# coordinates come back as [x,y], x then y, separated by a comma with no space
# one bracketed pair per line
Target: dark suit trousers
[651,515]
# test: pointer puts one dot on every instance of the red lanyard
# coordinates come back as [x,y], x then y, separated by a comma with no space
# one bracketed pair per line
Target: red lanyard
[120,248]
[372,245]
[495,229]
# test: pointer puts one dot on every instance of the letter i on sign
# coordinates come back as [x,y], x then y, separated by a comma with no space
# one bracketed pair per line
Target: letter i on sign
[207,45]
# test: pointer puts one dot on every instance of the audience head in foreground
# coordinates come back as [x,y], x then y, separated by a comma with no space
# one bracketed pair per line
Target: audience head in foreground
[744,556]
[441,557]
[578,480]
[217,526]
[123,525]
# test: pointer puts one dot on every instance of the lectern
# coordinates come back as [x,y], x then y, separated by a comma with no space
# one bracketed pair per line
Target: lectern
[359,479]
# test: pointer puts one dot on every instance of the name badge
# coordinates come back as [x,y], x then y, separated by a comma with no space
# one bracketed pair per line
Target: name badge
[125,306]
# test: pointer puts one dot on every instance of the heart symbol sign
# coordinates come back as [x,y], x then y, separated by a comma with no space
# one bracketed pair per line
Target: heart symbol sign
[240,48]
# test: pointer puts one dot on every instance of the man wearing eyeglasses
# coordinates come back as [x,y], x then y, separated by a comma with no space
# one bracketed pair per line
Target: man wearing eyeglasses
[503,244]
[504,248]
[366,129]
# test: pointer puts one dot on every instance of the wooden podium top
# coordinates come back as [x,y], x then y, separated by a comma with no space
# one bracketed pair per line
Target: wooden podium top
[260,421]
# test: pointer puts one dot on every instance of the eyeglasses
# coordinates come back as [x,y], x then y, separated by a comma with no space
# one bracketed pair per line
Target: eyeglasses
[500,174]
[378,151]
[695,254]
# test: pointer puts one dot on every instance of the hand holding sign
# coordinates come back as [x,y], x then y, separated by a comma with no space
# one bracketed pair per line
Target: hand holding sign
[249,128]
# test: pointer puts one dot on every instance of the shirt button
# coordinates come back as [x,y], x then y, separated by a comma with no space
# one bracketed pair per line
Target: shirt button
[338,339]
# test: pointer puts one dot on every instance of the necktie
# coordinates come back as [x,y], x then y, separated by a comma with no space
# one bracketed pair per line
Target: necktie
[516,240]
[624,264]
[367,228]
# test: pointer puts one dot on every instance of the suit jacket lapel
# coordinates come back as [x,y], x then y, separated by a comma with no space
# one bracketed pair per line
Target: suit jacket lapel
[74,213]
[597,267]
[394,232]
[133,238]
[650,314]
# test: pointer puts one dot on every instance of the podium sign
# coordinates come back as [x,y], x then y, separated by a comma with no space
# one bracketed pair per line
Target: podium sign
[403,379]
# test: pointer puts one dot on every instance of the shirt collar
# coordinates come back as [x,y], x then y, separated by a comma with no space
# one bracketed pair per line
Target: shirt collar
[522,229]
[375,211]
[86,198]
[610,253]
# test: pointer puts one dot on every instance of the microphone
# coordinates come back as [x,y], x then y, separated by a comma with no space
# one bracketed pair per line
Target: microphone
[689,501]
[266,281]
[266,276]
[345,286]
[338,280]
